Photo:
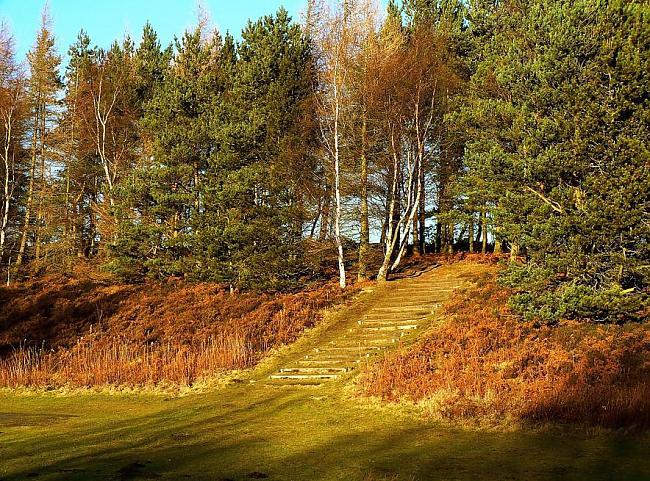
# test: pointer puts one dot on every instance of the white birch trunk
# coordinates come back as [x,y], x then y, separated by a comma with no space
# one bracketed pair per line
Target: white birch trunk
[102,117]
[337,185]
[8,171]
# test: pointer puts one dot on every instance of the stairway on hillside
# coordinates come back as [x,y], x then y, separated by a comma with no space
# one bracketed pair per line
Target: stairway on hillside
[403,309]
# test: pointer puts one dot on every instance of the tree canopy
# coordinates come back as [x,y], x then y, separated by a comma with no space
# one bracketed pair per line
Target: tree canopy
[350,141]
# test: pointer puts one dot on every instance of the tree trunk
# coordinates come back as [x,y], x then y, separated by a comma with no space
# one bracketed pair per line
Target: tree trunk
[485,231]
[397,211]
[7,202]
[450,237]
[442,221]
[70,221]
[40,214]
[393,227]
[312,231]
[5,211]
[415,237]
[421,218]
[325,222]
[470,233]
[384,229]
[364,240]
[498,246]
[514,251]
[411,211]
[30,194]
[337,190]
[9,170]
[406,220]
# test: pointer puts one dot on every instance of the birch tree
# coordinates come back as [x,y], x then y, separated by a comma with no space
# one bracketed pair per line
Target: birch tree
[11,104]
[332,33]
[112,122]
[365,70]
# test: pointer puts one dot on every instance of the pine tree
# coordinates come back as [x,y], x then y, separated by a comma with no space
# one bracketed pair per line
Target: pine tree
[262,163]
[163,194]
[151,63]
[137,238]
[560,126]
[44,85]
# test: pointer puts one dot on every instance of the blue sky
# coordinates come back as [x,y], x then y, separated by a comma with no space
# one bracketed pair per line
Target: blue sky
[107,20]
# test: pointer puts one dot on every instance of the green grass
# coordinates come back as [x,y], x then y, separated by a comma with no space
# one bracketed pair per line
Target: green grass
[287,434]
[244,430]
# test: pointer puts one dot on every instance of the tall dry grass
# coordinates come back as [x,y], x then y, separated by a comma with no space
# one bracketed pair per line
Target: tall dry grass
[485,363]
[83,335]
[121,363]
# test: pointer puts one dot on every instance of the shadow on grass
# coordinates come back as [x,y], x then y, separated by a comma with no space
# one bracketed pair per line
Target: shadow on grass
[290,434]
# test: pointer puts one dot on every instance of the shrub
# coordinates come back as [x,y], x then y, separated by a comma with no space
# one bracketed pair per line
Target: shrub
[548,298]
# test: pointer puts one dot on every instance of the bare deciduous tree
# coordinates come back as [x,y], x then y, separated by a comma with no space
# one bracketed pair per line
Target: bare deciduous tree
[11,104]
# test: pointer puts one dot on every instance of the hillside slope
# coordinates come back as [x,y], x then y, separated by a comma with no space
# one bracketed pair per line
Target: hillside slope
[485,363]
[83,331]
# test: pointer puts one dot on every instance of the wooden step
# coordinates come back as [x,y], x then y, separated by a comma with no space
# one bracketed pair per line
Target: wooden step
[373,338]
[426,279]
[350,348]
[304,376]
[366,332]
[428,303]
[413,308]
[398,327]
[391,320]
[358,337]
[405,308]
[420,313]
[353,355]
[409,299]
[329,357]
[408,317]
[297,382]
[324,362]
[426,282]
[316,370]
[351,361]
[327,366]
[424,289]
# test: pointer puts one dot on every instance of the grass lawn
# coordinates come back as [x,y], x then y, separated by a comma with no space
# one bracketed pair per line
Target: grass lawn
[246,431]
